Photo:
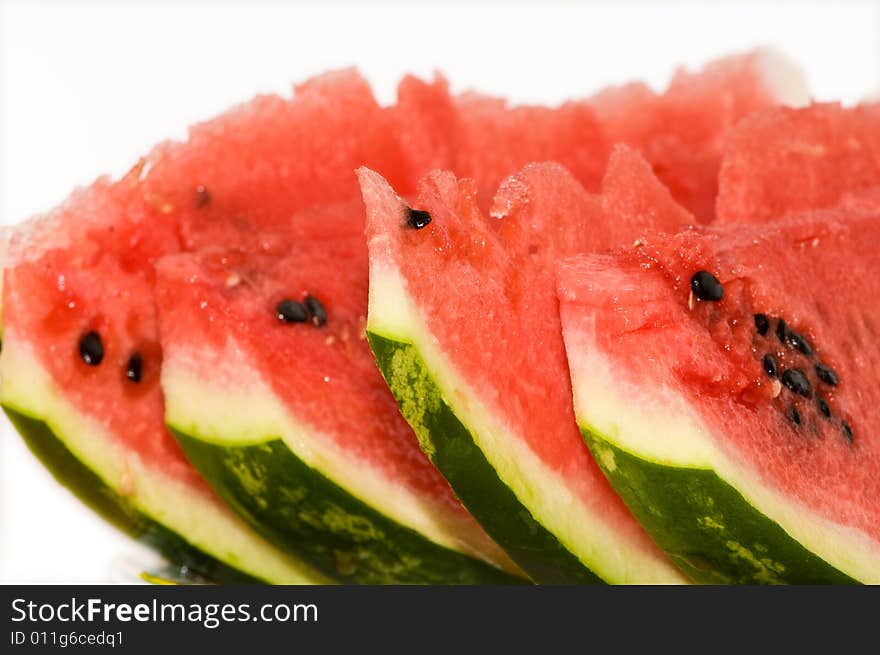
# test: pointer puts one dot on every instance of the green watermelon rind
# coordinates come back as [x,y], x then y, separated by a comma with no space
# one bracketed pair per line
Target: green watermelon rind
[707,527]
[88,486]
[497,474]
[710,510]
[451,447]
[528,508]
[322,523]
[192,528]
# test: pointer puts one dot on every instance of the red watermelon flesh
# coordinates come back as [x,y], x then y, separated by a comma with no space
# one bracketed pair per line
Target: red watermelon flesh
[813,271]
[680,132]
[265,160]
[539,216]
[326,376]
[235,179]
[485,139]
[784,160]
[499,329]
[52,301]
[251,152]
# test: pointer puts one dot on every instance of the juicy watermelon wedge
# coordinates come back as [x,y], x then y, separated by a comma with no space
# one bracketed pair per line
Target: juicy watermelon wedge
[292,422]
[84,452]
[746,446]
[479,371]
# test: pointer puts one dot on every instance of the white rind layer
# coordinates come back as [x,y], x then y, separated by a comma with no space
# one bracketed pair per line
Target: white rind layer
[202,520]
[236,407]
[543,492]
[660,426]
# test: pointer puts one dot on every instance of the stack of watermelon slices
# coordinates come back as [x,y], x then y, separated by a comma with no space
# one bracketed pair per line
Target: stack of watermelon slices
[83,363]
[707,382]
[224,288]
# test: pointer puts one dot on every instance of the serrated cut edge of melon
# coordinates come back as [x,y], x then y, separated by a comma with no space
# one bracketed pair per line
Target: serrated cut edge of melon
[641,421]
[392,314]
[247,412]
[202,520]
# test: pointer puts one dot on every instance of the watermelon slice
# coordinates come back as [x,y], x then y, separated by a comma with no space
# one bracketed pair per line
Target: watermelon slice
[81,359]
[272,390]
[480,373]
[783,160]
[725,380]
[99,427]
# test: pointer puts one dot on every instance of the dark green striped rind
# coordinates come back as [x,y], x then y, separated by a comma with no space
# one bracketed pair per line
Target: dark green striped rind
[86,485]
[299,509]
[706,526]
[452,449]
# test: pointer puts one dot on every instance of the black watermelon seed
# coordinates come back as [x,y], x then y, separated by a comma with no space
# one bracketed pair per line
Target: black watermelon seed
[762,324]
[706,286]
[781,330]
[795,416]
[91,349]
[290,311]
[417,218]
[316,309]
[135,367]
[847,432]
[827,375]
[769,363]
[203,197]
[797,342]
[823,407]
[795,380]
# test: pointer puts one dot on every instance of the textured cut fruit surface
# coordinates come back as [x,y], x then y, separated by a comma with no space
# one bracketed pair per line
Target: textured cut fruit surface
[53,301]
[225,185]
[326,376]
[506,265]
[814,272]
[499,330]
[784,160]
[486,139]
[680,132]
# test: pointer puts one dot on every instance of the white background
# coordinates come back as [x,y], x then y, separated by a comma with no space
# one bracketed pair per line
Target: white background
[85,88]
